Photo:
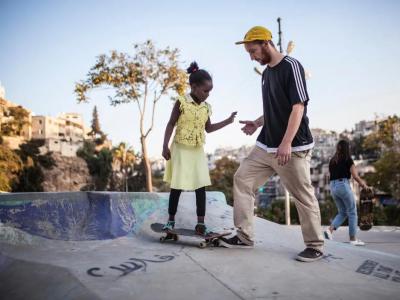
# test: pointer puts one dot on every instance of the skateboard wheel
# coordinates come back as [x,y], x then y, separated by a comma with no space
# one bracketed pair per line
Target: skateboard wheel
[216,243]
[203,245]
[162,239]
[176,238]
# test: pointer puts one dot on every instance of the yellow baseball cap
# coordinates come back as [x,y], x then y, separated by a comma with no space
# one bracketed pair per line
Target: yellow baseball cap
[257,33]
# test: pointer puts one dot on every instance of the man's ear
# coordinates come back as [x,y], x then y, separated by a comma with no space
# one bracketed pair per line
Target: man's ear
[264,44]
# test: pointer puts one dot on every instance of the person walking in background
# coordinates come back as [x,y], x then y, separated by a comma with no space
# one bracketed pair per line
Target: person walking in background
[341,169]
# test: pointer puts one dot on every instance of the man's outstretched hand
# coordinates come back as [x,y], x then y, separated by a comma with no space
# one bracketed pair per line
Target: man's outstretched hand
[250,127]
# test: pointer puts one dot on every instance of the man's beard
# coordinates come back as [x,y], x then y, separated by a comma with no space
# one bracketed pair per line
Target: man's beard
[266,59]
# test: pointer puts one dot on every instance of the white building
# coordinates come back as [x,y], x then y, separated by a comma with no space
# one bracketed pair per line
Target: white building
[69,127]
[44,127]
[364,128]
[325,144]
[75,126]
[64,134]
[236,154]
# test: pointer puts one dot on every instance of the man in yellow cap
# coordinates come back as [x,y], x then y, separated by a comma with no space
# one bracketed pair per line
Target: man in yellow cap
[283,146]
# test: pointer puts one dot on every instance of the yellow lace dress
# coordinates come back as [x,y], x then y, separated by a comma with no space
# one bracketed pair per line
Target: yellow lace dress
[188,167]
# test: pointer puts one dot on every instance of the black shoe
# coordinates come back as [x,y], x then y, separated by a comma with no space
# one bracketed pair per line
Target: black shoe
[201,229]
[235,242]
[309,255]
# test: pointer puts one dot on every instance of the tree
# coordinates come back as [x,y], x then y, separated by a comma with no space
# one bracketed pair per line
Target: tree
[386,138]
[356,145]
[137,182]
[103,167]
[99,164]
[149,73]
[124,158]
[222,177]
[10,167]
[386,142]
[95,123]
[96,131]
[276,212]
[31,177]
[159,184]
[387,174]
[19,117]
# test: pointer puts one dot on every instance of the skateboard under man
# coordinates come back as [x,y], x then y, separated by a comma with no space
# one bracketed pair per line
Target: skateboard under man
[211,239]
[366,209]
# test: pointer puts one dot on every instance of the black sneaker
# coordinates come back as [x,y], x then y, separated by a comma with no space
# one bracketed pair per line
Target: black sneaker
[201,229]
[235,242]
[309,255]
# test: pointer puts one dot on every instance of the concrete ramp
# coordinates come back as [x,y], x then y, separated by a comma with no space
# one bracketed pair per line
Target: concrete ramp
[95,245]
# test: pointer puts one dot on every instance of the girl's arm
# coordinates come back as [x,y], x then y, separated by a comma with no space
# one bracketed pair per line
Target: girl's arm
[169,129]
[214,127]
[354,173]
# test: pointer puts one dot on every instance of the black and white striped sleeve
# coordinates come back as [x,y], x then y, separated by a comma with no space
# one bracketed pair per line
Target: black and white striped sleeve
[296,82]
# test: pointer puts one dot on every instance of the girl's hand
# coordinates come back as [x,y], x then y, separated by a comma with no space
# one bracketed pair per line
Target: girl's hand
[232,117]
[166,153]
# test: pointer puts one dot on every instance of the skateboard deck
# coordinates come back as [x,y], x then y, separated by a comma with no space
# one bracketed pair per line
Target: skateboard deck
[366,209]
[207,240]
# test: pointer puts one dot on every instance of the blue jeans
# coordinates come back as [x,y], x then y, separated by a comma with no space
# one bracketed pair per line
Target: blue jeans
[345,203]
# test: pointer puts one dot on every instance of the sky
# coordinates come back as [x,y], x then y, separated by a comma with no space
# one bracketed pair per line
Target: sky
[350,48]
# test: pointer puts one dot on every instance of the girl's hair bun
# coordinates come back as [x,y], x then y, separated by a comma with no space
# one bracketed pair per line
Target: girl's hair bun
[192,68]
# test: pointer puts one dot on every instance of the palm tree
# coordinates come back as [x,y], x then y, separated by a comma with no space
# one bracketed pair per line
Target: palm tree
[123,160]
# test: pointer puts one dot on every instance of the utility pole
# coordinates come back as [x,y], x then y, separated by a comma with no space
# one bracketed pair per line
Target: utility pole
[279,35]
[287,196]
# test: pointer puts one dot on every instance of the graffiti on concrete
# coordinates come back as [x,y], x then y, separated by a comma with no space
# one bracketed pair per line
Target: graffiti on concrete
[370,267]
[132,265]
[92,270]
[328,257]
[71,216]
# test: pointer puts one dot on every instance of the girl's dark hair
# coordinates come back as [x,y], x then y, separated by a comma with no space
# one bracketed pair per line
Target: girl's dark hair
[197,75]
[342,152]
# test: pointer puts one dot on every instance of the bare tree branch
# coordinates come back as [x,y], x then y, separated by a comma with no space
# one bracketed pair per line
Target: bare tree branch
[152,114]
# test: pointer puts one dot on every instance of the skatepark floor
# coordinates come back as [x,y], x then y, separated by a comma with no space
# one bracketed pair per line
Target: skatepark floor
[98,245]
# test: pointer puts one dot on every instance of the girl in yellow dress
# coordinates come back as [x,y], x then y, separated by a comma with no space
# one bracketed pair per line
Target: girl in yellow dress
[187,167]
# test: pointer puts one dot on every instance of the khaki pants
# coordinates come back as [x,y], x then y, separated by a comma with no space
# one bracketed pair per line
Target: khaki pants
[295,175]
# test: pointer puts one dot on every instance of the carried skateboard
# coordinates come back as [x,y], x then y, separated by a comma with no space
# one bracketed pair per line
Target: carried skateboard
[212,239]
[366,209]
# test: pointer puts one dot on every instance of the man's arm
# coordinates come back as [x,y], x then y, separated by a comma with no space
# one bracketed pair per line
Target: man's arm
[251,126]
[285,148]
[294,123]
[260,121]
